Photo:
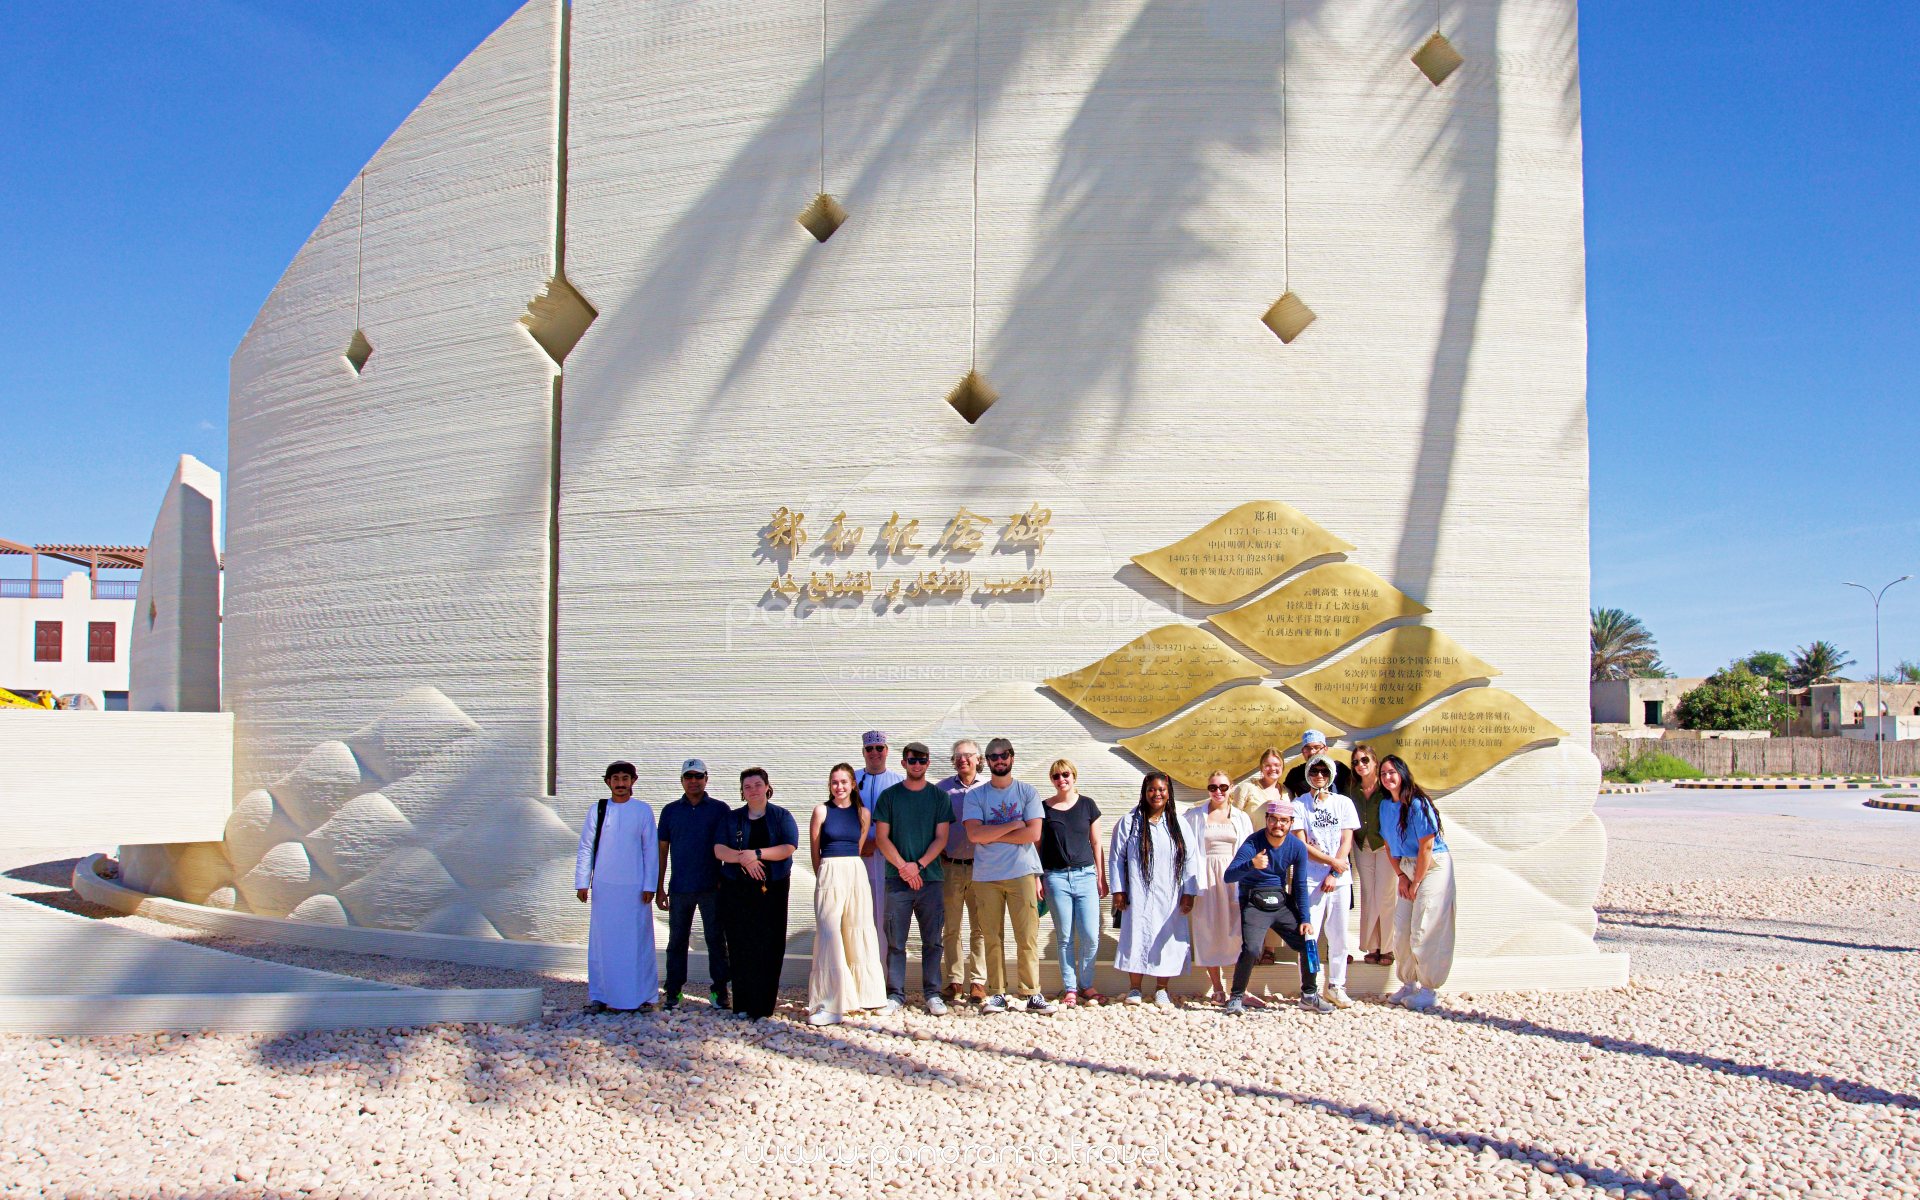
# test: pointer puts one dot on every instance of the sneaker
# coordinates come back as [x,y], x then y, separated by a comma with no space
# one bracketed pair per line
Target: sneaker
[1315,1002]
[1338,997]
[670,1003]
[718,998]
[994,1004]
[823,1017]
[1162,1001]
[1405,990]
[936,1005]
[893,1005]
[1070,1000]
[1236,1006]
[1422,1000]
[1133,996]
[1037,1003]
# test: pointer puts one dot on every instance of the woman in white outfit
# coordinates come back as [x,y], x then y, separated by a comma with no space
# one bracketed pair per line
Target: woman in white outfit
[1423,919]
[1325,820]
[1153,878]
[846,972]
[1215,830]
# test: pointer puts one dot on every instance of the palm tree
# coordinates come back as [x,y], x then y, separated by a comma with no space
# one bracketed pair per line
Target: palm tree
[1907,672]
[1816,661]
[1622,647]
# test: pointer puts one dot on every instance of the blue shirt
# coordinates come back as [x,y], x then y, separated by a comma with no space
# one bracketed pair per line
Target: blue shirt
[840,832]
[781,831]
[1423,821]
[690,832]
[1017,803]
[867,788]
[1286,870]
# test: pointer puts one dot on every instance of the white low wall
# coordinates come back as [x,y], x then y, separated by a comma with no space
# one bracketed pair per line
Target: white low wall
[101,778]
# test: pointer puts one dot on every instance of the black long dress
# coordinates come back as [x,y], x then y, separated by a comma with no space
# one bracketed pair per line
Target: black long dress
[755,915]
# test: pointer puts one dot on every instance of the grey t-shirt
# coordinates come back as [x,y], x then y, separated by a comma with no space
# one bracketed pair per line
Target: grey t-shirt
[989,805]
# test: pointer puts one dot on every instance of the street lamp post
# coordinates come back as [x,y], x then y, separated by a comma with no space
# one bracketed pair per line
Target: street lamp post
[1879,701]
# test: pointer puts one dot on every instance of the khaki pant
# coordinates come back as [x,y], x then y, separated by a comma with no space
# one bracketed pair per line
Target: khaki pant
[1423,926]
[966,960]
[1379,896]
[998,900]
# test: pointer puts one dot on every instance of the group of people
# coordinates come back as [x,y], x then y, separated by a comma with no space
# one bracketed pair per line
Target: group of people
[1281,856]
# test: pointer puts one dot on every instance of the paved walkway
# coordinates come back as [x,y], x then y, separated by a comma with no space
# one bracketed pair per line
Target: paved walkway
[62,973]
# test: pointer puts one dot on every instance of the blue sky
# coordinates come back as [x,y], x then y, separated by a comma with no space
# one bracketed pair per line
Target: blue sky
[1753,176]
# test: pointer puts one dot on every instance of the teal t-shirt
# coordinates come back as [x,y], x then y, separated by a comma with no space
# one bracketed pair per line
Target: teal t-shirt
[912,818]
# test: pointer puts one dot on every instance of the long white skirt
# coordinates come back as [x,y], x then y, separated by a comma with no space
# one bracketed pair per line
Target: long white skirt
[846,973]
[621,971]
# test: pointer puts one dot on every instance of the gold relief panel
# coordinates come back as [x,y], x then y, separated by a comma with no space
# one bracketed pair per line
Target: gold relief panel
[1466,735]
[1226,733]
[1241,552]
[1316,614]
[1154,675]
[1390,676]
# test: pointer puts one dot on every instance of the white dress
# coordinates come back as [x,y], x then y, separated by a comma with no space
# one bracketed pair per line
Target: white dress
[1154,938]
[621,971]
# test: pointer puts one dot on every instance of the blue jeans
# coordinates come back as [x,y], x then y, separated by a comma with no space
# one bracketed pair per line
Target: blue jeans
[928,906]
[1073,896]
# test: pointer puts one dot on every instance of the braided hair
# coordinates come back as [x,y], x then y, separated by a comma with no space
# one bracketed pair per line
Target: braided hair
[1145,835]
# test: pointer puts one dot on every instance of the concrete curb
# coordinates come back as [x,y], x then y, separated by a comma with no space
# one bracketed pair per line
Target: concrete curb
[1893,805]
[1771,785]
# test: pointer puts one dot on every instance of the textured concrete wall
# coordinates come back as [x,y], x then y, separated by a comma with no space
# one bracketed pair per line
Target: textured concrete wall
[175,655]
[1092,205]
[83,778]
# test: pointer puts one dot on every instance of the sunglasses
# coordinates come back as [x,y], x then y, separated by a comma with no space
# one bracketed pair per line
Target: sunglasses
[694,775]
[913,758]
[1063,775]
[874,750]
[1002,756]
[1218,787]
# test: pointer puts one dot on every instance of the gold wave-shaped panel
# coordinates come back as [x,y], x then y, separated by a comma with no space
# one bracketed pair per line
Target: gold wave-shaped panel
[1390,676]
[1241,552]
[1226,733]
[1466,735]
[1316,614]
[1155,675]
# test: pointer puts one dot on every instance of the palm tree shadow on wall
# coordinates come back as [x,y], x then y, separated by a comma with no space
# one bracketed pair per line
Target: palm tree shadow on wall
[1092,191]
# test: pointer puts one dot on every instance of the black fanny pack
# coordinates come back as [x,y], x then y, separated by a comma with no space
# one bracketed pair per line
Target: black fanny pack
[1267,899]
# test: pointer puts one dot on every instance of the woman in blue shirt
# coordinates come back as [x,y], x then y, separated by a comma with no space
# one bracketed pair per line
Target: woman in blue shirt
[846,972]
[1423,919]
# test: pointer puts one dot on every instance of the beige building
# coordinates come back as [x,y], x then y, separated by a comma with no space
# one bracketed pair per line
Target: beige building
[1832,709]
[1634,704]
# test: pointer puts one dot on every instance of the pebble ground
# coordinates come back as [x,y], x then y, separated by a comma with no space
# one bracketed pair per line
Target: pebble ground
[1766,1047]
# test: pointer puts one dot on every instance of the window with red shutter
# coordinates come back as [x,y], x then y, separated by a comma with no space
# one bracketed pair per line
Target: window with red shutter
[100,641]
[46,641]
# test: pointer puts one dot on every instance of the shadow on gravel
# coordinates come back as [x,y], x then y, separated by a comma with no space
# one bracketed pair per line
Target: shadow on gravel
[1806,1081]
[1613,916]
[1519,1153]
[591,1056]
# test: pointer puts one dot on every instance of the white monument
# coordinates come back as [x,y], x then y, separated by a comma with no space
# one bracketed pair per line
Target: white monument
[691,380]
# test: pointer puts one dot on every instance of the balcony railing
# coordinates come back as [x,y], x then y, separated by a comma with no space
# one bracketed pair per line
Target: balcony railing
[53,589]
[30,589]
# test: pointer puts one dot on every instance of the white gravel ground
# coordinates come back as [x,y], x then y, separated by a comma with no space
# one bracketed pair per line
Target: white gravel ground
[1766,1047]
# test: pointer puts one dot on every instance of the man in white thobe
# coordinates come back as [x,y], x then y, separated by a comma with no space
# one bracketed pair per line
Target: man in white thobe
[617,865]
[871,781]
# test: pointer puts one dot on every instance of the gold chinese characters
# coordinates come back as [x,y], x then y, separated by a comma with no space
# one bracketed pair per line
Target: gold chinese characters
[1226,733]
[1465,735]
[1154,675]
[1241,552]
[1389,677]
[1317,612]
